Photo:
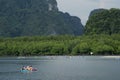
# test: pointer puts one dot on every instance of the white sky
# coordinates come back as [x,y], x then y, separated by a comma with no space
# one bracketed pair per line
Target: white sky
[82,8]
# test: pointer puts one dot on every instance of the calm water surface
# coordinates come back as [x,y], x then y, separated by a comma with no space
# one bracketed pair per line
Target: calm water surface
[60,68]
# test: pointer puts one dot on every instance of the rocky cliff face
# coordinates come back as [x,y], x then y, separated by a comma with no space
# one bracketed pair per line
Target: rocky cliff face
[36,17]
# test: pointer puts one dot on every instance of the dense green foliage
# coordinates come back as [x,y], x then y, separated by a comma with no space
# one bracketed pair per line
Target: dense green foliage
[36,17]
[42,17]
[102,21]
[60,45]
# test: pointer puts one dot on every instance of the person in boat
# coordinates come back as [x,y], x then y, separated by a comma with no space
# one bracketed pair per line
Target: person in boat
[30,68]
[23,68]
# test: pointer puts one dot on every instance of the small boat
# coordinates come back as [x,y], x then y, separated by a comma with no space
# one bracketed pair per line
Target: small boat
[25,70]
[34,69]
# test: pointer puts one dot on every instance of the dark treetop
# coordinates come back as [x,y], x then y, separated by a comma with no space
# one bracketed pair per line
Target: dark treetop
[103,21]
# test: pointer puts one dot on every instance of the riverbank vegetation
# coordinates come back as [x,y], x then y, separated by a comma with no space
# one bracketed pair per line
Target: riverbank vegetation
[60,45]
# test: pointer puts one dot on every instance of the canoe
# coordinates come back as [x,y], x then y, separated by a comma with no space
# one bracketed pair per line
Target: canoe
[25,70]
[34,69]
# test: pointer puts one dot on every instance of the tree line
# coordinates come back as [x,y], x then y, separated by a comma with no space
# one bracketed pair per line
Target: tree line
[61,45]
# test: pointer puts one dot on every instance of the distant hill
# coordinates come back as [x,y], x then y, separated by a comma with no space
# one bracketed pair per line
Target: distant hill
[36,17]
[95,11]
[103,21]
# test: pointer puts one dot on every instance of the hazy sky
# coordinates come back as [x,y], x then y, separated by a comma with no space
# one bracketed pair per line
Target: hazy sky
[82,8]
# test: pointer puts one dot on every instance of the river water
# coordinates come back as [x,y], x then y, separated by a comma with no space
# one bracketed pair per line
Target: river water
[61,68]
